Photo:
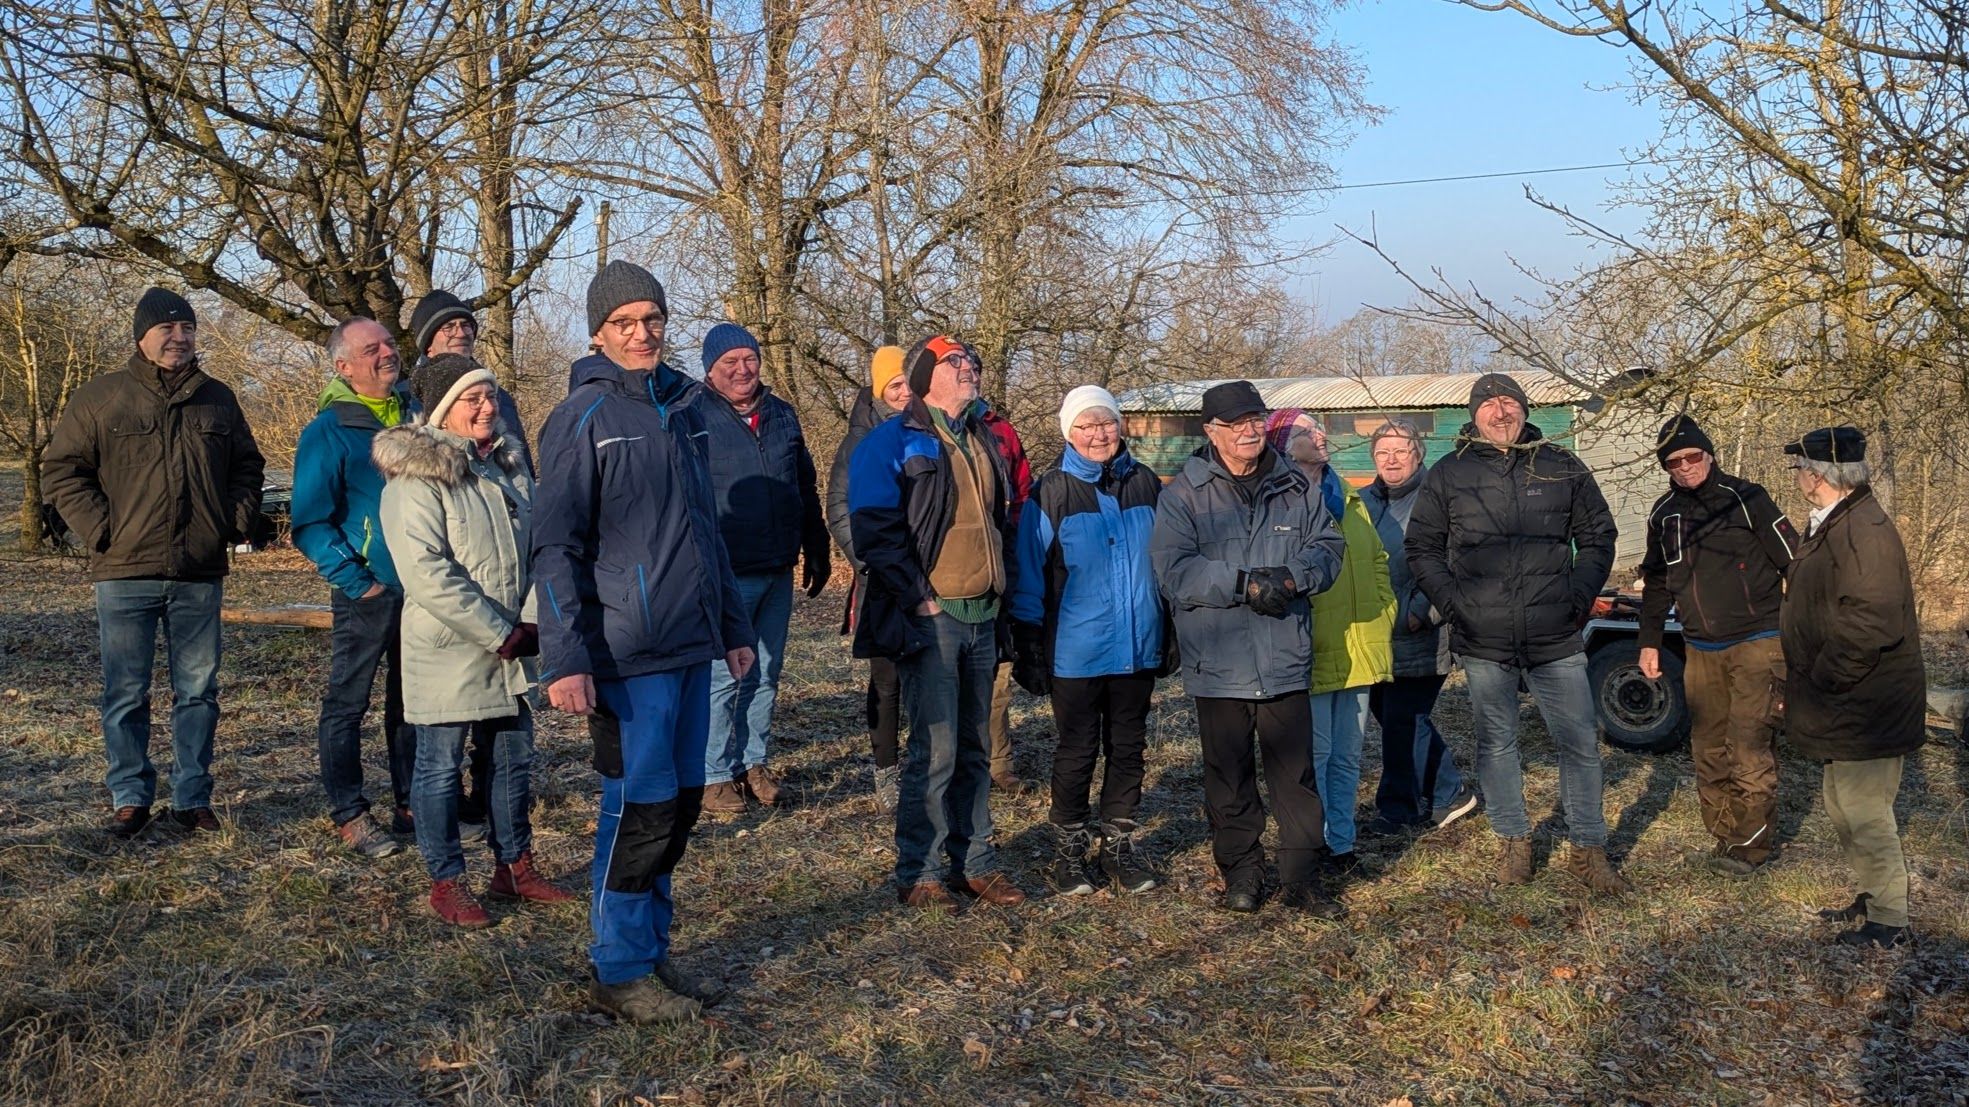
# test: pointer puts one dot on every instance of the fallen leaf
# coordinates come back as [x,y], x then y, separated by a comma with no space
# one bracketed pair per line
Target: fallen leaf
[1564,972]
[978,1052]
[1399,1101]
[1520,922]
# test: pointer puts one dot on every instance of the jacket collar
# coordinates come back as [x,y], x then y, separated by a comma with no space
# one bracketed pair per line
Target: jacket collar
[1843,508]
[1204,467]
[1389,493]
[1115,468]
[152,375]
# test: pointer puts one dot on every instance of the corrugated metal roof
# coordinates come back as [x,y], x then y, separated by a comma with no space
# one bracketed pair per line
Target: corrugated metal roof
[1395,393]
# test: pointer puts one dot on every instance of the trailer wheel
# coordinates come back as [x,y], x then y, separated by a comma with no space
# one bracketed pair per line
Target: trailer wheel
[1635,713]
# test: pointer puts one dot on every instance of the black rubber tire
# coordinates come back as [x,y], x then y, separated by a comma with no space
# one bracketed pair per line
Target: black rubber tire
[1634,712]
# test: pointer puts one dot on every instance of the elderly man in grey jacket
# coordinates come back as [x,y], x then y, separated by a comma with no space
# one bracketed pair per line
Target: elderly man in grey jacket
[1239,546]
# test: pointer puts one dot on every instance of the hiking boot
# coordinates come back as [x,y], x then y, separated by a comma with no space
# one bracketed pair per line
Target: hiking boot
[128,822]
[1381,826]
[1589,865]
[1463,803]
[1121,856]
[995,889]
[1242,894]
[470,833]
[760,782]
[1877,935]
[520,880]
[1514,861]
[1009,781]
[1723,862]
[930,894]
[363,835]
[1848,913]
[403,822]
[1311,899]
[456,904]
[643,1000]
[686,985]
[1068,873]
[196,818]
[888,788]
[727,797]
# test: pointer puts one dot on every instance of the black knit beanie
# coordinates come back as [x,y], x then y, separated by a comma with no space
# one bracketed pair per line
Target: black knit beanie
[1681,433]
[1491,385]
[432,312]
[619,283]
[440,381]
[159,305]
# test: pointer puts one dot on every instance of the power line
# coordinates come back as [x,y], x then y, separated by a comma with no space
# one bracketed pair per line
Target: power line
[1487,176]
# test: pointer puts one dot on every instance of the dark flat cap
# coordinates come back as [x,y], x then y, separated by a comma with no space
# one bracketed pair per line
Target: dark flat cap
[1830,444]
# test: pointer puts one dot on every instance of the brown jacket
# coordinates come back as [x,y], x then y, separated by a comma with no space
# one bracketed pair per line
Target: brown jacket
[1856,689]
[154,485]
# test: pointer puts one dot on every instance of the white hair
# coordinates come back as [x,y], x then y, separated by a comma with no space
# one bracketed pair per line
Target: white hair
[1843,475]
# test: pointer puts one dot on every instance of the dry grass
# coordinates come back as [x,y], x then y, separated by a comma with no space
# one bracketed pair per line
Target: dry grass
[264,966]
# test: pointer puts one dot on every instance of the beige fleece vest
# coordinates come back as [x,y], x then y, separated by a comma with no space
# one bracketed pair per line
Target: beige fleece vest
[972,562]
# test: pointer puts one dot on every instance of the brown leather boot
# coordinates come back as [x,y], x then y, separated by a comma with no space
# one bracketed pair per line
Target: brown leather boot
[929,894]
[727,797]
[1514,861]
[643,1000]
[520,880]
[1590,866]
[763,785]
[995,889]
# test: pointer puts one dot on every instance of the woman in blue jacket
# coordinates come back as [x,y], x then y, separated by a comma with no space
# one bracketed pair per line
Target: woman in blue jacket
[1089,627]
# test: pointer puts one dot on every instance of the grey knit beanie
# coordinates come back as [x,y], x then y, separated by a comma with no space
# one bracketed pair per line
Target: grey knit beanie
[619,283]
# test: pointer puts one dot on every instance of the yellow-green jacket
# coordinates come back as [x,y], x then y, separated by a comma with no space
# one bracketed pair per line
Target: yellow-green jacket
[1354,621]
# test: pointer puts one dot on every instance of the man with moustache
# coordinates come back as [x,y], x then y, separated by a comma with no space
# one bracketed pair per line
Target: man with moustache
[1241,543]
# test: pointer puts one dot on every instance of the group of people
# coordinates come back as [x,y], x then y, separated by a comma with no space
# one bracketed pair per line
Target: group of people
[639,569]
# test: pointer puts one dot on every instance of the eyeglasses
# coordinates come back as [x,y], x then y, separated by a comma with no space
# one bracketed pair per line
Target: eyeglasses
[955,358]
[1249,422]
[626,327]
[1687,461]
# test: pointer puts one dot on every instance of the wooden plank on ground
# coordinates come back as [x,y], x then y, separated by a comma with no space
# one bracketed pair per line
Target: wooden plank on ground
[310,616]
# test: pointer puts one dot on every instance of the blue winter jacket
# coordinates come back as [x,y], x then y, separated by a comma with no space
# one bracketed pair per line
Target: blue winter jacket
[1084,573]
[631,575]
[338,494]
[764,484]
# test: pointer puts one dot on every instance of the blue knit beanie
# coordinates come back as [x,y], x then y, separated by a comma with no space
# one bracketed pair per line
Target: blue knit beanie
[723,339]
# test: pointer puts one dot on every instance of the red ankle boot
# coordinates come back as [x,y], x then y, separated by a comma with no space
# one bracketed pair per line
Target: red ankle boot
[520,880]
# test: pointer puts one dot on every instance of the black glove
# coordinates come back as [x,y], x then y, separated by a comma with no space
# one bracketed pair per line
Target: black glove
[1269,591]
[816,566]
[1031,668]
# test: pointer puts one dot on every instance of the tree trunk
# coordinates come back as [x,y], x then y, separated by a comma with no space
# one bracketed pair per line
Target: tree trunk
[30,513]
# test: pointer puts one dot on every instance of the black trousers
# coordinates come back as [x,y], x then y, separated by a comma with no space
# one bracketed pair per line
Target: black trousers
[884,711]
[1407,788]
[1103,717]
[1284,729]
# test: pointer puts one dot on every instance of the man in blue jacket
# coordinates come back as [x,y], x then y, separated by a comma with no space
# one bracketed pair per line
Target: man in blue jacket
[336,520]
[637,599]
[768,499]
[1240,545]
[927,493]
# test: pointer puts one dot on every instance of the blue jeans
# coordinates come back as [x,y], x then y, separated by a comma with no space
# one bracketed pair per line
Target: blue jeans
[1339,720]
[434,790]
[363,639]
[1418,770]
[128,613]
[1565,699]
[943,816]
[646,815]
[742,710]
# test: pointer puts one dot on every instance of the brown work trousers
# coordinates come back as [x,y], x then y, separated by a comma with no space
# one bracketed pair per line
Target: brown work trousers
[1735,696]
[1000,726]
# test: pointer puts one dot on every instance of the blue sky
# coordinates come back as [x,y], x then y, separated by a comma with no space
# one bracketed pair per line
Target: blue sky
[1469,92]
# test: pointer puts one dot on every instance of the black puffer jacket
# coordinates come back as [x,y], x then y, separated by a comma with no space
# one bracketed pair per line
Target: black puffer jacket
[1718,553]
[1857,689]
[866,414]
[1513,545]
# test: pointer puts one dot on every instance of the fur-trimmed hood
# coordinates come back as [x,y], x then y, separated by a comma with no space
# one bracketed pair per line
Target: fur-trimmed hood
[421,452]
